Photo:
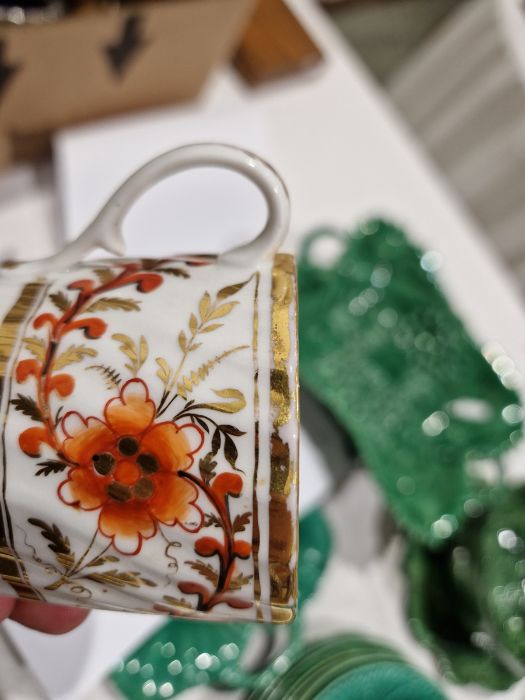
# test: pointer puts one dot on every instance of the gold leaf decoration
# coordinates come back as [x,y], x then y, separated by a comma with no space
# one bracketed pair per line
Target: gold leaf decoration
[60,300]
[175,271]
[211,327]
[116,303]
[136,353]
[222,310]
[65,560]
[120,579]
[205,570]
[187,384]
[237,403]
[208,311]
[104,274]
[204,306]
[74,353]
[239,581]
[164,372]
[36,347]
[143,350]
[232,289]
[177,602]
[100,561]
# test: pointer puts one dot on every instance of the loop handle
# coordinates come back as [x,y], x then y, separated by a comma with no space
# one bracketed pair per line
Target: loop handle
[105,231]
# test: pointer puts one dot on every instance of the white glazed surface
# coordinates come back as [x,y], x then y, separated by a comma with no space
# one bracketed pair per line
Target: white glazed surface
[164,313]
[127,325]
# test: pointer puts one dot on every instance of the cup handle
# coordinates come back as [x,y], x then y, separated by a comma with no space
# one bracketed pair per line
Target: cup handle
[105,231]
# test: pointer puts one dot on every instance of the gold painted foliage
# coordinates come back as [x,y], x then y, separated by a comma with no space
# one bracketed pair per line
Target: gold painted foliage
[204,321]
[239,581]
[36,346]
[177,602]
[74,353]
[60,300]
[104,274]
[209,311]
[235,403]
[137,353]
[189,382]
[119,579]
[115,303]
[205,570]
[72,570]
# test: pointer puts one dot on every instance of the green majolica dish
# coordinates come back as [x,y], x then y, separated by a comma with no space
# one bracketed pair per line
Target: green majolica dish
[345,667]
[467,601]
[383,350]
[381,680]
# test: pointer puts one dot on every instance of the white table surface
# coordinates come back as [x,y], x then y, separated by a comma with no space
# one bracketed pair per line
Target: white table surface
[345,155]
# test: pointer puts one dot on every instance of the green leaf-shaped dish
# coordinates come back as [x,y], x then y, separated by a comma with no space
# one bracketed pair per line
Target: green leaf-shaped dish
[382,349]
[467,601]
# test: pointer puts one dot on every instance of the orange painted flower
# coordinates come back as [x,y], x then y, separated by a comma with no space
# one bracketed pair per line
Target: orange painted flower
[127,466]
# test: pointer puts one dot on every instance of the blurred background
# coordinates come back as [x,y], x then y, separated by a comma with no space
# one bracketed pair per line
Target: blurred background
[399,128]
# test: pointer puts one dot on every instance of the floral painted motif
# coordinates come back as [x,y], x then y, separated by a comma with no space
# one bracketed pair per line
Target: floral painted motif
[144,473]
[128,468]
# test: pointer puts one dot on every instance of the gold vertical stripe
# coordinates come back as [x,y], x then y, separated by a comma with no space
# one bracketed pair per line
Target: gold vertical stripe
[282,531]
[12,569]
[255,510]
[12,321]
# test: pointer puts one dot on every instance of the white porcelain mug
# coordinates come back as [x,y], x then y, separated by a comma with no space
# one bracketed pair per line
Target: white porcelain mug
[149,412]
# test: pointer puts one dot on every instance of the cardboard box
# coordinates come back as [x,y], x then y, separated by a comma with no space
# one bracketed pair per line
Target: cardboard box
[105,61]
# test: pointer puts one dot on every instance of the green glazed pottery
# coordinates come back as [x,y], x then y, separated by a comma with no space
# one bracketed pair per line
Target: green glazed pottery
[345,667]
[382,349]
[467,601]
[381,680]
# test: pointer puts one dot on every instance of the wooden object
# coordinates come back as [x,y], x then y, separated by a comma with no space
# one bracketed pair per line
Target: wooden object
[274,45]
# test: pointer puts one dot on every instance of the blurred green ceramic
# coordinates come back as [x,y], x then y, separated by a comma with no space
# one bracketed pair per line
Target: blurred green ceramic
[389,681]
[185,653]
[345,667]
[501,562]
[382,349]
[467,601]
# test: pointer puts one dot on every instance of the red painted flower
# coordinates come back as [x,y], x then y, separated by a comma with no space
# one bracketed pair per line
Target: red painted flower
[127,468]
